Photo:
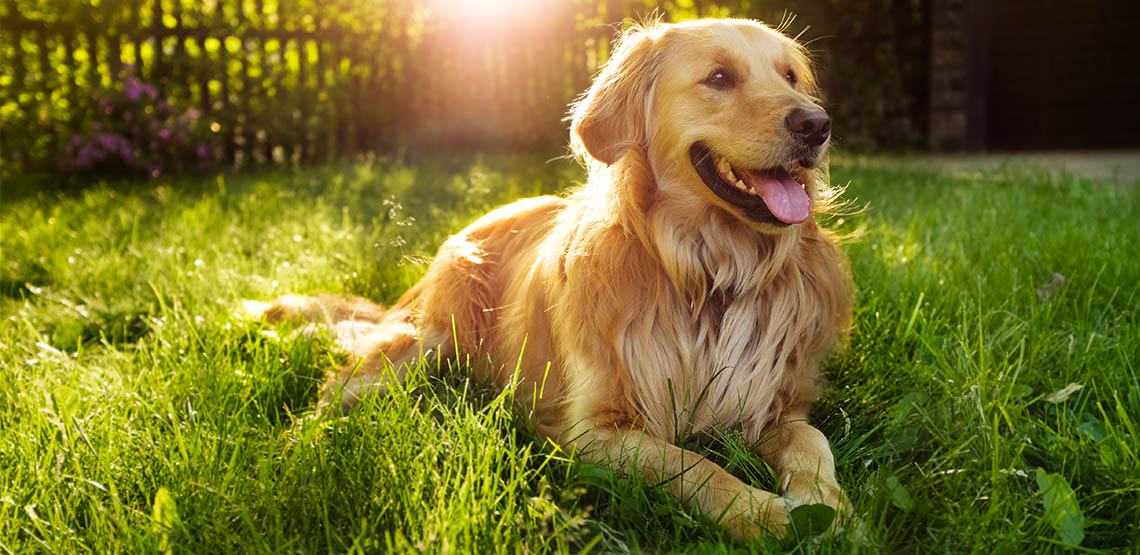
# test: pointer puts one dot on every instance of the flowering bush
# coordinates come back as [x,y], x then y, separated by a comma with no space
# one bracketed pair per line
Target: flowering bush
[137,133]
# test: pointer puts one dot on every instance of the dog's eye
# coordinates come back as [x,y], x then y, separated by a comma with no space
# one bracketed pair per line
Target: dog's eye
[720,78]
[791,77]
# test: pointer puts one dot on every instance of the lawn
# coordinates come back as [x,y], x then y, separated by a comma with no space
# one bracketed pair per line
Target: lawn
[139,413]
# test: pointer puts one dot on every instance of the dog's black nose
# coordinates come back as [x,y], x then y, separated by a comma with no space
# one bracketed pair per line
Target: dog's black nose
[812,126]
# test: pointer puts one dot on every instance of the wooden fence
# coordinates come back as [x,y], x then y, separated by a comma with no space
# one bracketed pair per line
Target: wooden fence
[304,79]
[316,79]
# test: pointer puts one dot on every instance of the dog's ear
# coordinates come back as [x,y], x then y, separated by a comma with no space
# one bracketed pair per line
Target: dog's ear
[610,117]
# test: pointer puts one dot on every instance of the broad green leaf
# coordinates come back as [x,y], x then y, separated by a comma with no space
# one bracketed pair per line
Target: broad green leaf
[1064,393]
[907,404]
[164,519]
[1061,508]
[1092,428]
[899,494]
[66,401]
[811,520]
[902,438]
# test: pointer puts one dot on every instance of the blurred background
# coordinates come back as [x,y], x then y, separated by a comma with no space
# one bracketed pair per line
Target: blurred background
[152,87]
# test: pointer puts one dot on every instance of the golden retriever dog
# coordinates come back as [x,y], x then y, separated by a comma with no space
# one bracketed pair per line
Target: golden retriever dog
[685,286]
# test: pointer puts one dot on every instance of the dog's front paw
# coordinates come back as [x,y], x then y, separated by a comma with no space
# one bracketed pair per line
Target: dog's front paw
[756,513]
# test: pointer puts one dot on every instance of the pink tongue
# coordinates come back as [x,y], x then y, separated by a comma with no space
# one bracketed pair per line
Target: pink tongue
[786,199]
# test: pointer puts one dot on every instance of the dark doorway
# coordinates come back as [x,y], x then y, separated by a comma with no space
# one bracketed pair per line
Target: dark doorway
[1062,75]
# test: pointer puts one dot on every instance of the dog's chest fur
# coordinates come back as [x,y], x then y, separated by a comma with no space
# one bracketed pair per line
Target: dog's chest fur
[730,353]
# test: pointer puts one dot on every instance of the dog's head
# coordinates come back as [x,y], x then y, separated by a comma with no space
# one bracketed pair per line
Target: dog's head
[724,112]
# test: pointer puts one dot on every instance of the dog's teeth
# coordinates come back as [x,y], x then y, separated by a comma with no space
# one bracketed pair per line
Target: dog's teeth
[724,169]
[740,185]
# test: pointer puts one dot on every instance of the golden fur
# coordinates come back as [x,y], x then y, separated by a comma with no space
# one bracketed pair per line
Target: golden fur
[649,307]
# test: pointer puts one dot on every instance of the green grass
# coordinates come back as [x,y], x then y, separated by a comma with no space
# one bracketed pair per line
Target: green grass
[138,413]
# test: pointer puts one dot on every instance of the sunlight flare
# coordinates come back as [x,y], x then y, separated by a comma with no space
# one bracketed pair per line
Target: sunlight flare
[478,12]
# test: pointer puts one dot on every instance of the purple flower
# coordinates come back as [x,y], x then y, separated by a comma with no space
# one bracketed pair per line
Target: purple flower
[132,88]
[88,154]
[135,129]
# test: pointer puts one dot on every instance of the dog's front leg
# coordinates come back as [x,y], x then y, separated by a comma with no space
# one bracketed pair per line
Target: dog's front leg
[700,484]
[802,456]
